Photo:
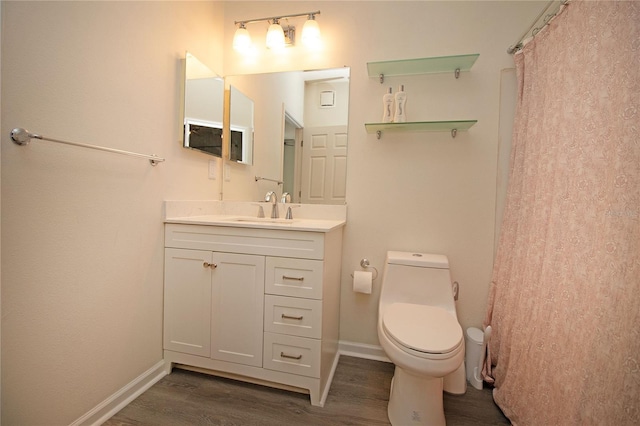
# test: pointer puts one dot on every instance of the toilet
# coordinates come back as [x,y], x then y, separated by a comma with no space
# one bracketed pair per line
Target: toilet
[419,331]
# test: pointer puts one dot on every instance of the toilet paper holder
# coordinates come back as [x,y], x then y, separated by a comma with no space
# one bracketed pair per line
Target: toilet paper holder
[365,264]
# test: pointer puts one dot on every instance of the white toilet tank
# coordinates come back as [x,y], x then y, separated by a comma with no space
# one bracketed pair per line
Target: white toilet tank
[418,278]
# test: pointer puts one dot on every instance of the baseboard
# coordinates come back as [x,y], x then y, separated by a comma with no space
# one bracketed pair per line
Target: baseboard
[362,350]
[116,402]
[325,393]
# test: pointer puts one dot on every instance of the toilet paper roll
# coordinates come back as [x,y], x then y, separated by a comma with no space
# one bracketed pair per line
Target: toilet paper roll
[362,282]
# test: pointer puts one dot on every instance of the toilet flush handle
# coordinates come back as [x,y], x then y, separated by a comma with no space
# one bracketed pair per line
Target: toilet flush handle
[456,290]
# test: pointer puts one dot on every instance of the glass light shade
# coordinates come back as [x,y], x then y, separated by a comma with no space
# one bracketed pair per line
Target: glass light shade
[242,40]
[275,37]
[311,34]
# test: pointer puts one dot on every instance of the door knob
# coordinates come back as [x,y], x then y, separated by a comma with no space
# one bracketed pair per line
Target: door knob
[209,265]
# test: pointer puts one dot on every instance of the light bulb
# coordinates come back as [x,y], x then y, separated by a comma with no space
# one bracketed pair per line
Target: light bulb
[311,33]
[242,39]
[275,36]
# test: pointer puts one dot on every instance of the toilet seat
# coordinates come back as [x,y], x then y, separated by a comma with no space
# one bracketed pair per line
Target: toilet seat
[422,330]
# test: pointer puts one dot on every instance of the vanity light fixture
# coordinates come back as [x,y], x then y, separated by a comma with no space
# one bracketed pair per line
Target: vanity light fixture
[277,35]
[242,39]
[311,33]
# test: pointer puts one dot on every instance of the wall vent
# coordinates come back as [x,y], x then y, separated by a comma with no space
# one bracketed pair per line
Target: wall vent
[327,98]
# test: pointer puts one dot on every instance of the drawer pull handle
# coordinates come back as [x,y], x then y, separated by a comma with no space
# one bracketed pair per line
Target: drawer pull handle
[283,355]
[210,265]
[286,277]
[285,316]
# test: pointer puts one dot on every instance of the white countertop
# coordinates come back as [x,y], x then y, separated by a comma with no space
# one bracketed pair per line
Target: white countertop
[241,214]
[310,225]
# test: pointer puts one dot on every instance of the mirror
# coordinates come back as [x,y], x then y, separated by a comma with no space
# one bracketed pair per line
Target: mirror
[203,108]
[240,127]
[300,136]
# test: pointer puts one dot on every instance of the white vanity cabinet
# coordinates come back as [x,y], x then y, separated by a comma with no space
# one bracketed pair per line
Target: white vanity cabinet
[205,292]
[260,305]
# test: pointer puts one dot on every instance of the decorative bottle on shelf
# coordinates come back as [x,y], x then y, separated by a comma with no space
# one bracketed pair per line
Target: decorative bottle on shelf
[401,100]
[387,103]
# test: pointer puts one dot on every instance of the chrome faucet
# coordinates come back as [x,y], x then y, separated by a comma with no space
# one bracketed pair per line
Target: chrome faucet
[273,199]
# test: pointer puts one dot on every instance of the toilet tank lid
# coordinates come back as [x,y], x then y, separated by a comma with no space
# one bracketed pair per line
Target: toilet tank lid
[424,260]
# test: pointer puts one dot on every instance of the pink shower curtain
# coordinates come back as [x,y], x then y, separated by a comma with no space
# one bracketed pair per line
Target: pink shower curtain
[564,301]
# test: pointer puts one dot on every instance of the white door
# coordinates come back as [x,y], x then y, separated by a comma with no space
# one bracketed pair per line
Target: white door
[187,301]
[324,165]
[237,300]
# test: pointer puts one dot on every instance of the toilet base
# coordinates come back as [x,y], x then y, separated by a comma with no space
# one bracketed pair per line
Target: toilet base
[415,400]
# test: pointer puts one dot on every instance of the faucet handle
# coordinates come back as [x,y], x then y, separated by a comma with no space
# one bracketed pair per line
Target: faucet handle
[286,198]
[289,214]
[260,210]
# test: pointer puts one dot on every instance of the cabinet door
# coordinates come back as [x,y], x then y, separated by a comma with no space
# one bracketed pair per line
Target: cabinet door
[237,301]
[187,301]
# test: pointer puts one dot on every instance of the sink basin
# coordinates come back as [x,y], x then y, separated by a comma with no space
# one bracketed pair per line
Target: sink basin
[262,220]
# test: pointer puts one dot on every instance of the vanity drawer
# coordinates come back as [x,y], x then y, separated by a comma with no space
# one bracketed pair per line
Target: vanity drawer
[294,316]
[294,277]
[291,354]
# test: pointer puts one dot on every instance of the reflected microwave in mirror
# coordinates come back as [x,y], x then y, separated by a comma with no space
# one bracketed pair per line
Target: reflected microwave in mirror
[205,137]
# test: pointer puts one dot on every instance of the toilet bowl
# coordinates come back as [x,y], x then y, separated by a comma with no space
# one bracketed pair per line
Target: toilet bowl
[419,331]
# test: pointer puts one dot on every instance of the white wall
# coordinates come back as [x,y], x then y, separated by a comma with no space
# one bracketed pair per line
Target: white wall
[415,192]
[0,227]
[82,239]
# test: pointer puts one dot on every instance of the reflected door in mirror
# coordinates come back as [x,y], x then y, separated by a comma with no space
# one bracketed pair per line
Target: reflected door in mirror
[324,165]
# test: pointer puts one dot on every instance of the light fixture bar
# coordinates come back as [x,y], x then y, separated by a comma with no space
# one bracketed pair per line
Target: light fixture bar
[271,18]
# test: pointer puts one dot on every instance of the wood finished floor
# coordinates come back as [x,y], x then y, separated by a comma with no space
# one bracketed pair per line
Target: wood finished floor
[358,396]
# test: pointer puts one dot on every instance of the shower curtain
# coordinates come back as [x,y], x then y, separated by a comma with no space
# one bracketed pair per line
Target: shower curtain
[564,301]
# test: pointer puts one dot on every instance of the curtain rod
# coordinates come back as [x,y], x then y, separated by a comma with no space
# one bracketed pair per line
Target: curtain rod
[518,44]
[22,137]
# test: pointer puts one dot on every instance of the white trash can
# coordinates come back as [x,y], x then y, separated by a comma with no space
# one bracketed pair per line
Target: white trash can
[474,339]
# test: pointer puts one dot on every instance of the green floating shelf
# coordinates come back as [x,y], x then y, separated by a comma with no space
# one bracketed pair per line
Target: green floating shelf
[432,65]
[421,126]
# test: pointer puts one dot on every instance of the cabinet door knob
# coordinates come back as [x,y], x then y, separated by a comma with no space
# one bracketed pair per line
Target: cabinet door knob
[209,265]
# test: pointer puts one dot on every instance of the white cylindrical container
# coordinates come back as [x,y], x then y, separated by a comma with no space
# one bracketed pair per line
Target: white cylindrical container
[474,338]
[400,115]
[387,106]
